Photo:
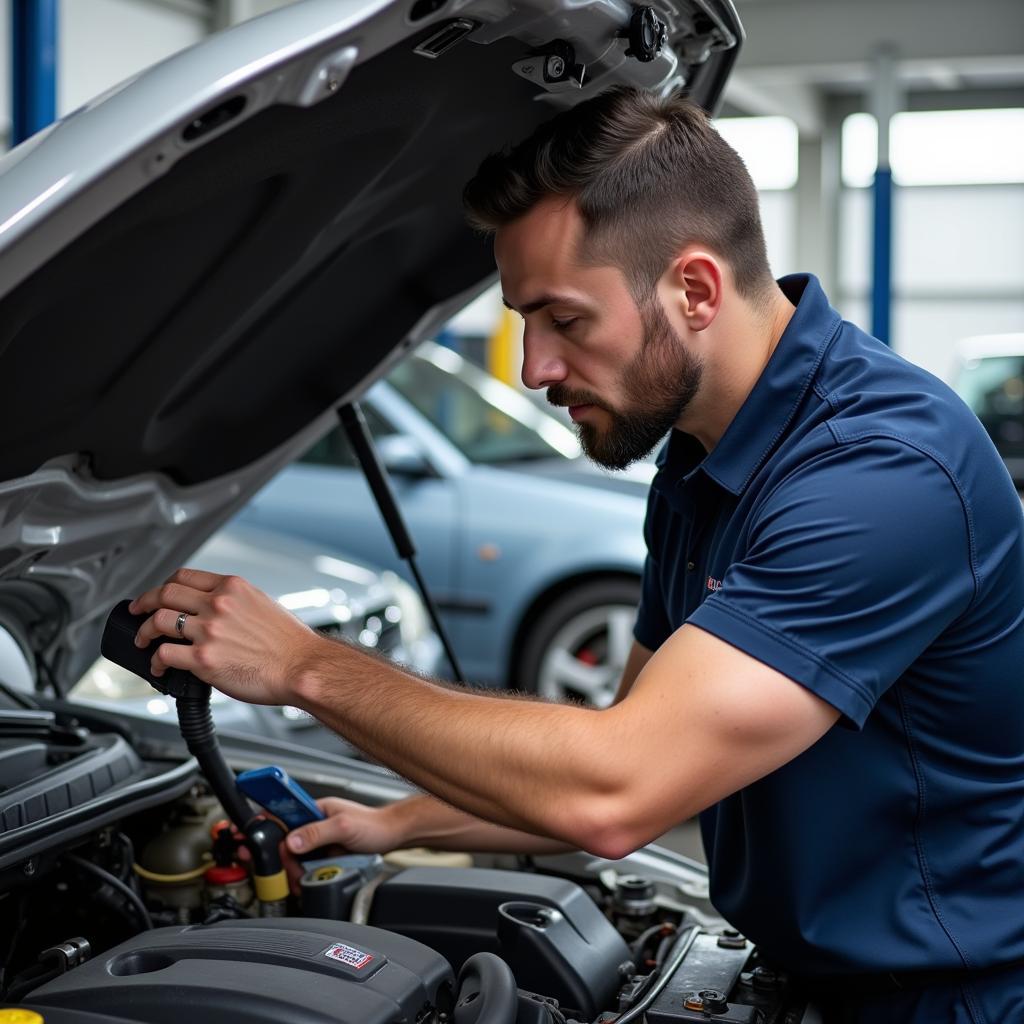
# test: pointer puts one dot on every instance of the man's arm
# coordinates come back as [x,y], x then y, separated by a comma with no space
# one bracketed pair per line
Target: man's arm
[701,721]
[426,821]
[420,820]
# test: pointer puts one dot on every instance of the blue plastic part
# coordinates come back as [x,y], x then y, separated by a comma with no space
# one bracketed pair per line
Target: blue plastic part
[34,66]
[881,257]
[277,792]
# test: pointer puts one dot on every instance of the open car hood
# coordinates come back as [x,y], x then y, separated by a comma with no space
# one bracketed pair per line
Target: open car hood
[196,268]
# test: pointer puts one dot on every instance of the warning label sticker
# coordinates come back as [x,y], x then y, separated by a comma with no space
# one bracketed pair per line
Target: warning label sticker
[348,955]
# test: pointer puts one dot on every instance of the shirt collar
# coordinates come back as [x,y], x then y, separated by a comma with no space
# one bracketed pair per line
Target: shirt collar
[770,406]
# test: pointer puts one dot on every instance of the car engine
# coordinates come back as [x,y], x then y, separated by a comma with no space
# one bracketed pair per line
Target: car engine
[125,896]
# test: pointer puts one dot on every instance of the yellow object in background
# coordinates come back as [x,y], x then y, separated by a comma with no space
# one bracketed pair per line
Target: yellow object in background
[20,1017]
[502,349]
[420,857]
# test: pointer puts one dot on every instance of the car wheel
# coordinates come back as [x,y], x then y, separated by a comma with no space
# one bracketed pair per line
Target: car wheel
[577,648]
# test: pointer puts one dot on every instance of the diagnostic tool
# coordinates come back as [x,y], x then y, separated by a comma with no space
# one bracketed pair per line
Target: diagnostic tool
[277,792]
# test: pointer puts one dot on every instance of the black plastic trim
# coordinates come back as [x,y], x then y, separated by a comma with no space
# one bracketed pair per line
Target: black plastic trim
[160,787]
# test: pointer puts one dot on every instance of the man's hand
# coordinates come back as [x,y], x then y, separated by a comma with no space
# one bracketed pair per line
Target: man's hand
[349,828]
[241,640]
[355,827]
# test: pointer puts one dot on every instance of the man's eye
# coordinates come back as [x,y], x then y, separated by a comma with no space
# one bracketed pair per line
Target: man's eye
[561,325]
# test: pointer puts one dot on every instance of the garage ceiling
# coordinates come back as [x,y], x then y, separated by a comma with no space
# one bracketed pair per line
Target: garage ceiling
[803,54]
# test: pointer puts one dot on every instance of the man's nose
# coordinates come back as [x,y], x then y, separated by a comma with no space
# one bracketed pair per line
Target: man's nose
[542,364]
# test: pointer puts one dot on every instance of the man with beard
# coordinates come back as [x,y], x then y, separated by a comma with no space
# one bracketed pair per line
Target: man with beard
[828,647]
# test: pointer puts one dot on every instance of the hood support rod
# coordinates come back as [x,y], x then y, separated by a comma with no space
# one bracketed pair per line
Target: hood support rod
[354,424]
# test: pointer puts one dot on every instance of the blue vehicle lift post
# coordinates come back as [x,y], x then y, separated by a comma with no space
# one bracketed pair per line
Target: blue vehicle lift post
[885,102]
[33,66]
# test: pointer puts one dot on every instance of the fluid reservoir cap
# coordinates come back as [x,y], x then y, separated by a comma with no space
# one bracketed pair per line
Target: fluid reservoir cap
[714,1001]
[20,1017]
[327,873]
[218,826]
[220,876]
[634,895]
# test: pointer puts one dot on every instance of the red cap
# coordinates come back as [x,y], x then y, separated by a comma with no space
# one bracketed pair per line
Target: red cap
[223,876]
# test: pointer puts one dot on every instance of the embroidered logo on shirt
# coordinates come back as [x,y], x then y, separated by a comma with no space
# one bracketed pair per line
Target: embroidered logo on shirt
[714,584]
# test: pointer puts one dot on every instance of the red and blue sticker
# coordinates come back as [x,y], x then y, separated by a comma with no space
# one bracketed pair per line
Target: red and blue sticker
[357,959]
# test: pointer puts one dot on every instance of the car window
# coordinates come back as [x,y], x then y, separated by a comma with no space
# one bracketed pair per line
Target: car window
[333,448]
[478,428]
[994,388]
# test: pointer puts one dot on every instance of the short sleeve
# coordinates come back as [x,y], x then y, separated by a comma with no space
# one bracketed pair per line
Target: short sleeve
[855,564]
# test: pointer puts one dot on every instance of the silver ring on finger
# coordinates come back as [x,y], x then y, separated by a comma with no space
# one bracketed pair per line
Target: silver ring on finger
[179,626]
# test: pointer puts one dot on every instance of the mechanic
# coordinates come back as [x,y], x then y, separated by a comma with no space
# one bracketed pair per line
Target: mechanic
[828,651]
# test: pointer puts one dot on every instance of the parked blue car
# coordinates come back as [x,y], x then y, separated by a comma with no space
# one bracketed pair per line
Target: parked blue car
[533,554]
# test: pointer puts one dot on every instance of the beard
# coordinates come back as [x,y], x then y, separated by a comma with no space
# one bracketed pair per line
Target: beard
[658,384]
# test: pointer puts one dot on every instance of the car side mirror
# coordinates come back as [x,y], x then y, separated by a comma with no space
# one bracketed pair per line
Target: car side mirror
[401,455]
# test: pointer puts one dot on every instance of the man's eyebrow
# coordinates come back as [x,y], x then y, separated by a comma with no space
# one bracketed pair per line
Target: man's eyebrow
[540,303]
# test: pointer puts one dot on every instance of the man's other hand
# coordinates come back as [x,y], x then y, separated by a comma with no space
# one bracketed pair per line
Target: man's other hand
[349,828]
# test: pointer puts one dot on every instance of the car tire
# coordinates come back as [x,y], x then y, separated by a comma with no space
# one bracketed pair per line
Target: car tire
[577,646]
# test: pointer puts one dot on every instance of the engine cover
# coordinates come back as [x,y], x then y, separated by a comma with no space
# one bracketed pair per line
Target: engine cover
[548,930]
[257,972]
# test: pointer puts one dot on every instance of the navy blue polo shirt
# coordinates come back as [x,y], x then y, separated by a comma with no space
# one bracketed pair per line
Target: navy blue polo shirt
[855,530]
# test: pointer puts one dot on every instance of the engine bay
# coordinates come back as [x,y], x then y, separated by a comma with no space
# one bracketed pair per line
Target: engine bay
[126,895]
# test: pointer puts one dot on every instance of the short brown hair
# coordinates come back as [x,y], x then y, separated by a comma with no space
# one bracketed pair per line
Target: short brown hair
[649,176]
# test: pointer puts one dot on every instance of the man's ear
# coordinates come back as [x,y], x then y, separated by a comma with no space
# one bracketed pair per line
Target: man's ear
[695,281]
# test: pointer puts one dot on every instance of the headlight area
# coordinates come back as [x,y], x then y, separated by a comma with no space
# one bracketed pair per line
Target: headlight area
[374,623]
[421,646]
[105,683]
[390,620]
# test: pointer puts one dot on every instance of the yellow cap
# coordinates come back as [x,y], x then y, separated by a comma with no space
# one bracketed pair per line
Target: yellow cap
[20,1017]
[269,889]
[327,872]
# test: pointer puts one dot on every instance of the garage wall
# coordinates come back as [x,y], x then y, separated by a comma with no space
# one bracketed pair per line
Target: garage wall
[778,218]
[100,43]
[958,266]
[103,42]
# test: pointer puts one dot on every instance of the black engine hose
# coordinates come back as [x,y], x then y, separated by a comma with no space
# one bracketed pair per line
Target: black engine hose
[192,698]
[196,723]
[115,883]
[487,992]
[664,928]
[264,841]
[263,836]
